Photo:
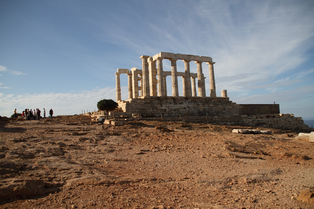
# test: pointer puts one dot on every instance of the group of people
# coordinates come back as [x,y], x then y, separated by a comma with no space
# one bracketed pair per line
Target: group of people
[34,114]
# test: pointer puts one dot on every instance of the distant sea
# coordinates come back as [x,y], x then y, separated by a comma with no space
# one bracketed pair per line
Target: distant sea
[310,123]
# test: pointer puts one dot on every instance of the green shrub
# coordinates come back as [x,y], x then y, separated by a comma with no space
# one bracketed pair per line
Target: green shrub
[17,114]
[107,104]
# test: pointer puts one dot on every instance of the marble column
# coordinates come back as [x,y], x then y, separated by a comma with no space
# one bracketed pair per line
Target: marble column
[174,78]
[183,85]
[165,84]
[140,87]
[224,93]
[200,79]
[193,87]
[212,85]
[161,90]
[145,77]
[152,77]
[130,86]
[118,87]
[134,83]
[187,80]
[204,89]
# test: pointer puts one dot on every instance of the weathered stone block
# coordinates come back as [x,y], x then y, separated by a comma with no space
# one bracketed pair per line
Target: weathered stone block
[311,138]
[117,123]
[107,122]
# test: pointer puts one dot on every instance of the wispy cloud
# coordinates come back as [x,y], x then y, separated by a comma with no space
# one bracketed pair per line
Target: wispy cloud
[62,103]
[3,87]
[2,68]
[287,96]
[304,74]
[298,101]
[18,73]
[248,41]
[5,69]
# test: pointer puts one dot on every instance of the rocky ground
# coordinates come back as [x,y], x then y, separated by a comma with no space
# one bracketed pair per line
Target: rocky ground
[69,162]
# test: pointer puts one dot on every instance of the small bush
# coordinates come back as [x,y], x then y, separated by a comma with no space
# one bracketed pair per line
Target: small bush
[17,114]
[107,104]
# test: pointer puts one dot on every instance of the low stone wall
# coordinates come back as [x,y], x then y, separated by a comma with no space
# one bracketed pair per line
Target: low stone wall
[259,109]
[218,110]
[277,121]
[96,115]
[180,107]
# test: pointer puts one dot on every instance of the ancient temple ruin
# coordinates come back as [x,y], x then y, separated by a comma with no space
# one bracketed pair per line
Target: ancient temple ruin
[147,89]
[148,96]
[153,66]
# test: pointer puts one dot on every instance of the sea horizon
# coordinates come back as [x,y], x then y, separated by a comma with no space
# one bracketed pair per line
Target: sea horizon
[310,123]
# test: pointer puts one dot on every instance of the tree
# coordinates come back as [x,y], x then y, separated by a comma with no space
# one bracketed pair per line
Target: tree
[107,104]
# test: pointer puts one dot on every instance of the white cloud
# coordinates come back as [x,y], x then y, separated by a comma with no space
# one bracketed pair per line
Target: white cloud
[2,68]
[304,74]
[62,103]
[18,73]
[286,96]
[298,101]
[3,87]
[248,41]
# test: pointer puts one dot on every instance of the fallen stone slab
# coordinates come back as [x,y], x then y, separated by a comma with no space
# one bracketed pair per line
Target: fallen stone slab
[108,122]
[117,123]
[251,131]
[307,196]
[311,139]
[114,122]
[308,137]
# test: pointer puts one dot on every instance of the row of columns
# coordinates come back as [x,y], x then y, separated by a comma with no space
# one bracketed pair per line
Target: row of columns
[153,67]
[192,77]
[186,82]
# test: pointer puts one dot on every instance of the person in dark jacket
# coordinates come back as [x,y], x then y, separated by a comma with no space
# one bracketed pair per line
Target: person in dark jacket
[51,112]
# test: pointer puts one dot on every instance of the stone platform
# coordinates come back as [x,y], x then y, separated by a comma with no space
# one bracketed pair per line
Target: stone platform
[219,110]
[180,106]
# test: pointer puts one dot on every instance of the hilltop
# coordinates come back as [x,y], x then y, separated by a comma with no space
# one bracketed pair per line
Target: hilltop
[71,162]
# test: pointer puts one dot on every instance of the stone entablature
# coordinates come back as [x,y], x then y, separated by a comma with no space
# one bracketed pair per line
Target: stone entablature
[152,78]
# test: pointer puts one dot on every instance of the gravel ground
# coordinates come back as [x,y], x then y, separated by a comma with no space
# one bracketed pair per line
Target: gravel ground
[69,162]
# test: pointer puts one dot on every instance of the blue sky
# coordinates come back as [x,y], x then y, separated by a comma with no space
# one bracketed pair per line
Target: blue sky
[63,54]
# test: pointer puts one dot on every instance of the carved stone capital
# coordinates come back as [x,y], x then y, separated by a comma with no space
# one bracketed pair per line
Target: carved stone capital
[144,56]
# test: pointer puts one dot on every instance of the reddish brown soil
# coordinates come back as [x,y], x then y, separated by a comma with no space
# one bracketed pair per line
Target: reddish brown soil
[69,162]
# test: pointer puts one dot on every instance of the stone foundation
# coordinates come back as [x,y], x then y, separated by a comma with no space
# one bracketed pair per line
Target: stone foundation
[259,109]
[217,110]
[180,107]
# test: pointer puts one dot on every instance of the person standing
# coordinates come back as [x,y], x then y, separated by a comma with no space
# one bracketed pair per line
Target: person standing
[27,114]
[44,113]
[31,115]
[35,114]
[38,113]
[51,112]
[15,114]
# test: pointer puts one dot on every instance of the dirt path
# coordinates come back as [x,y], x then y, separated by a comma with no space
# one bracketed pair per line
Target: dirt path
[67,162]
